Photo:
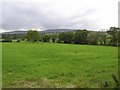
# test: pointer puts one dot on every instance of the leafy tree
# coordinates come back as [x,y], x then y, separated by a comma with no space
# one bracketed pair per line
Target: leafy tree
[6,38]
[46,38]
[66,37]
[119,38]
[114,32]
[14,37]
[30,35]
[92,38]
[23,37]
[33,36]
[61,36]
[80,37]
[102,38]
[53,37]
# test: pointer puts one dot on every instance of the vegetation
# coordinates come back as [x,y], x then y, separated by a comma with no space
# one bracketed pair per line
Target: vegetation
[109,37]
[53,37]
[33,36]
[80,37]
[58,65]
[7,38]
[114,32]
[46,38]
[92,38]
[61,65]
[66,37]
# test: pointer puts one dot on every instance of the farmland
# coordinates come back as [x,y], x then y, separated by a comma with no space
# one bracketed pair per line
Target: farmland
[56,65]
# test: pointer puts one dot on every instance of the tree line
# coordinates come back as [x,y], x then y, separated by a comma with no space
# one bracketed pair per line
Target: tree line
[109,37]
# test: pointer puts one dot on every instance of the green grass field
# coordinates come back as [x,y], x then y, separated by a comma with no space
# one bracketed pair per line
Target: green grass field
[0,65]
[58,65]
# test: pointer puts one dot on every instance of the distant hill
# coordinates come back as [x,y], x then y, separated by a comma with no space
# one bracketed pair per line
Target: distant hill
[15,32]
[43,32]
[56,30]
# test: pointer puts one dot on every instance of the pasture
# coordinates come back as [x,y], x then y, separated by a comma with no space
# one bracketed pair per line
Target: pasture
[55,65]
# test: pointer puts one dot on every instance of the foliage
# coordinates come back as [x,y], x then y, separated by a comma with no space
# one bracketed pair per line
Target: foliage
[6,37]
[92,38]
[117,82]
[109,37]
[114,32]
[80,37]
[61,36]
[66,37]
[6,40]
[14,37]
[33,35]
[53,37]
[46,38]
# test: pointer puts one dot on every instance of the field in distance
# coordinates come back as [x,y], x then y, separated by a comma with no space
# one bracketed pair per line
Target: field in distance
[58,65]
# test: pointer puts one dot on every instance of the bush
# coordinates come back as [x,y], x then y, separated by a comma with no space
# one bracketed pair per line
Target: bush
[46,38]
[6,40]
[18,41]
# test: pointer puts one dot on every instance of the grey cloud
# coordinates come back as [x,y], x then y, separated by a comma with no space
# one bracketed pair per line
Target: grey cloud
[33,15]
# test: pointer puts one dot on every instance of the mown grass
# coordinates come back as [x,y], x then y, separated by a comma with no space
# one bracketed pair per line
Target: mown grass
[58,65]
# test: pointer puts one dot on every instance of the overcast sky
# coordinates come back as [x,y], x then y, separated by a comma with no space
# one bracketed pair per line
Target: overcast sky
[58,14]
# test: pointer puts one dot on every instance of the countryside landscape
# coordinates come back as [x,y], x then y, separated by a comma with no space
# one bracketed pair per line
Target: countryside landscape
[60,60]
[56,56]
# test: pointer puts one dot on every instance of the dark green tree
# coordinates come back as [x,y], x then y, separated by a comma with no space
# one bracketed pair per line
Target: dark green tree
[92,38]
[102,38]
[14,37]
[46,38]
[114,32]
[61,36]
[80,37]
[66,37]
[33,36]
[53,37]
[7,38]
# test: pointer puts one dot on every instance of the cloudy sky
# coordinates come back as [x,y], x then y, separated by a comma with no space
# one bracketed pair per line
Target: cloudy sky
[58,14]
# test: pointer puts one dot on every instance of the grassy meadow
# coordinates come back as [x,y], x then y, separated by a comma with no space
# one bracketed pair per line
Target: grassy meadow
[56,65]
[0,65]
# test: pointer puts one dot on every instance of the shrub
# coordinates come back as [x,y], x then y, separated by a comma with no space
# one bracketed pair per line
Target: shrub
[18,41]
[6,40]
